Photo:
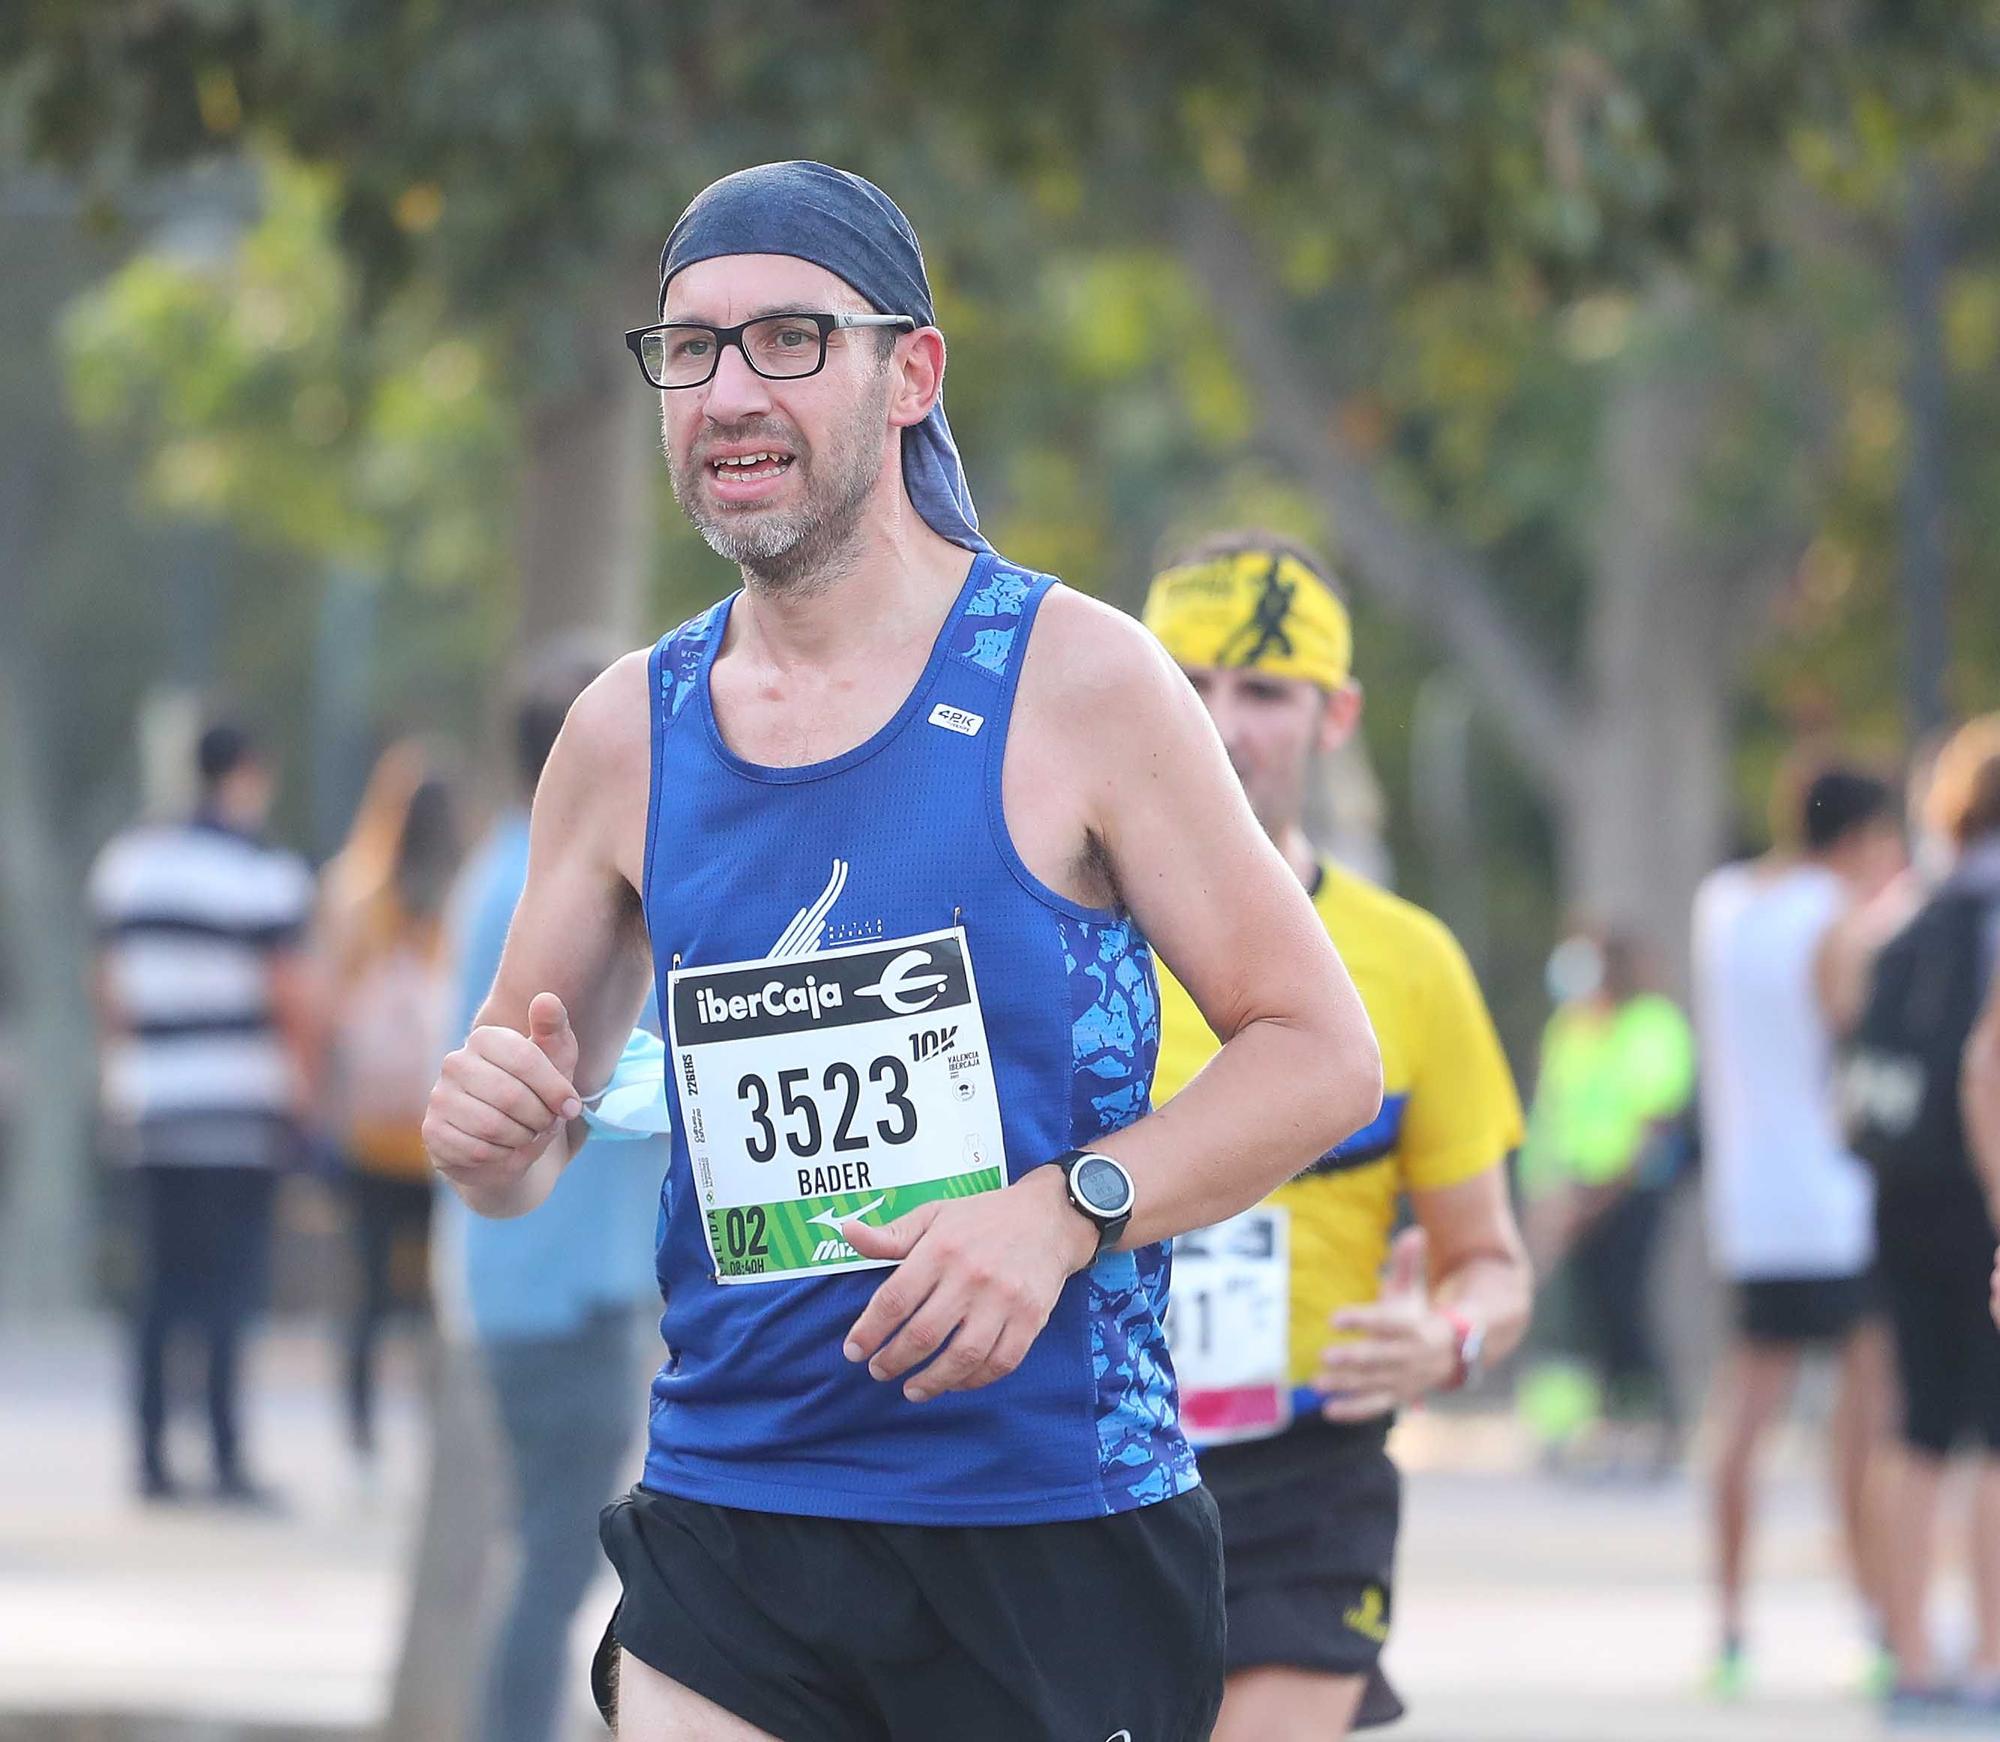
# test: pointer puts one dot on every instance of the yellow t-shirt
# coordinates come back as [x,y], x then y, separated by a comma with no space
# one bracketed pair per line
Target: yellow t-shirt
[1449,1108]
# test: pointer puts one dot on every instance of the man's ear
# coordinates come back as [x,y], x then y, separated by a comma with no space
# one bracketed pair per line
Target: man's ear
[1341,717]
[918,365]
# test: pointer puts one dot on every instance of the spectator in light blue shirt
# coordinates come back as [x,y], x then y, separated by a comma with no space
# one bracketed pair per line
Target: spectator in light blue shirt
[552,1301]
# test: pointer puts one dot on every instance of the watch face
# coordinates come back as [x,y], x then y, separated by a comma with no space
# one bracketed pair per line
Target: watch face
[1102,1185]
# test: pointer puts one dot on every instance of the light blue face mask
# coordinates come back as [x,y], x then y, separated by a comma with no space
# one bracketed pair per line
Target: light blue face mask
[1575,971]
[633,1105]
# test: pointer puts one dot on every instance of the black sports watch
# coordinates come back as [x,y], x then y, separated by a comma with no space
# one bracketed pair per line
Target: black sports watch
[1099,1190]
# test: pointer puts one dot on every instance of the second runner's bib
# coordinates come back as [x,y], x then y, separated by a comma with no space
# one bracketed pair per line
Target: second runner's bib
[1228,1325]
[813,1089]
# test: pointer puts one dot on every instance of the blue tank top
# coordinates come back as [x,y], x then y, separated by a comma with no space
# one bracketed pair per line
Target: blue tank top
[903,835]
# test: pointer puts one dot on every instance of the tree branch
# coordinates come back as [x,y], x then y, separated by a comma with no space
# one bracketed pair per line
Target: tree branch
[1412,571]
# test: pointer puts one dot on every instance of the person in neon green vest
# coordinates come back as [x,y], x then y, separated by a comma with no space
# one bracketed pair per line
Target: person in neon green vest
[1615,1084]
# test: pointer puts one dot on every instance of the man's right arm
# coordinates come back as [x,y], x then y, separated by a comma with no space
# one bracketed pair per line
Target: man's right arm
[574,973]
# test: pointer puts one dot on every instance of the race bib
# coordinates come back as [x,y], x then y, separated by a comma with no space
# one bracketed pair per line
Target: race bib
[1229,1327]
[853,1082]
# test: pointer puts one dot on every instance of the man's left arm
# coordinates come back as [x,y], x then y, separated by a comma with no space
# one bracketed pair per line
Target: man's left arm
[1298,1070]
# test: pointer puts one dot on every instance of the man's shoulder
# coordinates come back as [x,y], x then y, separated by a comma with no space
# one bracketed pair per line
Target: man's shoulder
[611,721]
[1091,655]
[1735,878]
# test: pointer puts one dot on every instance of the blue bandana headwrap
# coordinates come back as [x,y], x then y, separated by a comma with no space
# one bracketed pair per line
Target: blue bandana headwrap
[837,220]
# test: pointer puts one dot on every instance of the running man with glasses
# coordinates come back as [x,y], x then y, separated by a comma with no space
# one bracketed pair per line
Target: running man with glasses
[894,830]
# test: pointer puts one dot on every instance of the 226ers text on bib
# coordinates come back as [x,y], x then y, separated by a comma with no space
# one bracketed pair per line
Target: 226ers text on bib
[814,1089]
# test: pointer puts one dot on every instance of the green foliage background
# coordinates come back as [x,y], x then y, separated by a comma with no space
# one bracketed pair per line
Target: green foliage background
[345,243]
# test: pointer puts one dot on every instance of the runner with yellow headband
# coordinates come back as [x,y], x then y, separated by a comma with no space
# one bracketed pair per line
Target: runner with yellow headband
[1293,1349]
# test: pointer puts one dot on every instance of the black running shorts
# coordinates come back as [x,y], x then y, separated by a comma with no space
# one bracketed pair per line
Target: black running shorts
[1947,1349]
[824,1630]
[1309,1522]
[1803,1309]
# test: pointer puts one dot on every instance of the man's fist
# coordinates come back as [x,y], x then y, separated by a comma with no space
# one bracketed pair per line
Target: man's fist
[498,1103]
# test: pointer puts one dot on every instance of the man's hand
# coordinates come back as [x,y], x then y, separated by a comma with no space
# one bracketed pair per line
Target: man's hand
[1397,1350]
[499,1101]
[978,1279]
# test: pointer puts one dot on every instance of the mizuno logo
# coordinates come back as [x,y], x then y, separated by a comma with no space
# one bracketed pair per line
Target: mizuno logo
[903,988]
[837,1247]
[827,1219]
[1369,1617]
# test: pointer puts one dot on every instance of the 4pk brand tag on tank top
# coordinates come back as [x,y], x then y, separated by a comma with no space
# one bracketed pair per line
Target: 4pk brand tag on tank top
[813,1089]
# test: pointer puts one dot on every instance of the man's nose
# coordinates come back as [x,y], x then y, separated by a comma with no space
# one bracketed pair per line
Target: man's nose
[737,391]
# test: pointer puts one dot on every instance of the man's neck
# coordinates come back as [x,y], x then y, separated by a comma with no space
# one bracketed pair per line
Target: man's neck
[880,585]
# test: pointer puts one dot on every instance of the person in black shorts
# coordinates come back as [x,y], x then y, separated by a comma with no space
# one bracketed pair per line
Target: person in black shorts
[1935,1238]
[1293,1347]
[1789,1207]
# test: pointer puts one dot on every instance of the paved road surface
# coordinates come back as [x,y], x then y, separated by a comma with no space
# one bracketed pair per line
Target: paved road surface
[1528,1611]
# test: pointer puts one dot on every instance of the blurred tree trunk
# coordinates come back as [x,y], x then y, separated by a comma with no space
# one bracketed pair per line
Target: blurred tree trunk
[1631,757]
[1646,815]
[45,1260]
[1412,571]
[1926,634]
[462,1534]
[586,479]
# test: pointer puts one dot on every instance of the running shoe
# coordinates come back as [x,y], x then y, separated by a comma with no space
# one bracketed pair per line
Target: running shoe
[1729,1678]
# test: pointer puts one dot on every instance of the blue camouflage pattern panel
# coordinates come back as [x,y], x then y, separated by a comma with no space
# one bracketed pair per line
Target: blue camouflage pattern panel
[1115,1040]
[1114,1024]
[992,617]
[1142,1453]
[680,664]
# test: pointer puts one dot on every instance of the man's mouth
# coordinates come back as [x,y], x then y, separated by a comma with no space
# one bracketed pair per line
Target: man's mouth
[749,468]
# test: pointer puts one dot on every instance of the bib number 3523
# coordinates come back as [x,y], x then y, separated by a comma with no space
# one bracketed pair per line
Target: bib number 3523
[851,1083]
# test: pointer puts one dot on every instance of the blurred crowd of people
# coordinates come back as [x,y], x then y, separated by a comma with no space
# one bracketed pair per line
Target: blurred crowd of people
[1838,1091]
[258,1022]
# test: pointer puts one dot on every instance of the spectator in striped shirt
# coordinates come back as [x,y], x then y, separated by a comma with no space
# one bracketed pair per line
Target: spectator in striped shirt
[204,1008]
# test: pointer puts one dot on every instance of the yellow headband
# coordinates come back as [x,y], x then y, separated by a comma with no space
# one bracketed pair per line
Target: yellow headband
[1260,609]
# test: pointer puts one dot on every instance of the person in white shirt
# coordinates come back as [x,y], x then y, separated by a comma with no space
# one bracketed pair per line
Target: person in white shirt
[1790,1211]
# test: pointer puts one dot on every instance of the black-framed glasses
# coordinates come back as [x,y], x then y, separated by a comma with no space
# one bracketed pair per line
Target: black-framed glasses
[780,347]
